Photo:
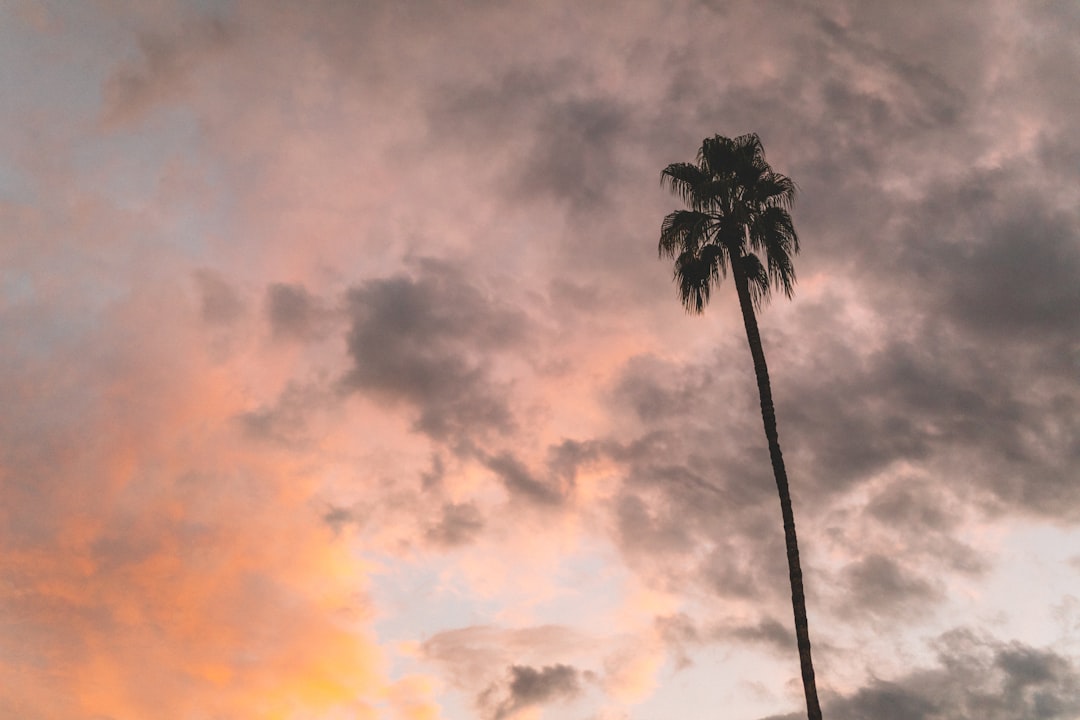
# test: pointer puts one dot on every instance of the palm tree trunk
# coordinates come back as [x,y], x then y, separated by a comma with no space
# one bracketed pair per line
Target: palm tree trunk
[768,416]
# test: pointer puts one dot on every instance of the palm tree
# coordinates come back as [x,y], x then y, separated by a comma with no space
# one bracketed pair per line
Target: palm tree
[738,216]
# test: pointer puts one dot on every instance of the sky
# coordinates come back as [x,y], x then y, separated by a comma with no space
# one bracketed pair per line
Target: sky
[341,378]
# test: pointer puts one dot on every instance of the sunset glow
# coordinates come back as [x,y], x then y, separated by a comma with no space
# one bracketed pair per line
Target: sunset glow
[341,379]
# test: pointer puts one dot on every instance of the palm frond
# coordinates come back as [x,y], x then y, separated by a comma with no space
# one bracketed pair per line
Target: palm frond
[684,180]
[750,160]
[717,156]
[773,233]
[683,230]
[782,273]
[775,189]
[757,278]
[718,193]
[696,273]
[750,147]
[772,228]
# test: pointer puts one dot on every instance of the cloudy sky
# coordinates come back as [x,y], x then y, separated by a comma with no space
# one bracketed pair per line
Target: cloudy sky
[341,379]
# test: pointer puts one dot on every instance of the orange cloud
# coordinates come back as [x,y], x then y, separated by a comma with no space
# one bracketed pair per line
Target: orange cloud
[165,565]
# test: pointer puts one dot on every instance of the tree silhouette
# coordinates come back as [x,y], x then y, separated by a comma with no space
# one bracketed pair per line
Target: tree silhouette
[737,216]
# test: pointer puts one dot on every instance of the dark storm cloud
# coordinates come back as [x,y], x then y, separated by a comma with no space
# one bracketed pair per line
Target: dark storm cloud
[432,479]
[976,677]
[427,340]
[699,480]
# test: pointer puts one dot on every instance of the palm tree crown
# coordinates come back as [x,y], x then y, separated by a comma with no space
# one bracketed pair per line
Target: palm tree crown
[738,213]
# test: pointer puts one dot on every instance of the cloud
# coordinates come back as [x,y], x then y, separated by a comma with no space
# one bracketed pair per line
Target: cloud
[476,657]
[425,341]
[153,579]
[912,505]
[976,676]
[521,483]
[911,381]
[163,70]
[450,215]
[683,635]
[575,152]
[286,420]
[458,524]
[220,302]
[878,584]
[530,686]
[294,313]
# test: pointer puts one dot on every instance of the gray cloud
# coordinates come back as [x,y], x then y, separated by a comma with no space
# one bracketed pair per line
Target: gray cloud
[680,634]
[476,658]
[683,634]
[976,677]
[284,422]
[575,152]
[459,523]
[339,517]
[529,686]
[548,119]
[879,585]
[950,395]
[769,632]
[912,504]
[499,104]
[979,361]
[521,483]
[697,482]
[220,303]
[999,258]
[940,405]
[294,313]
[932,381]
[426,340]
[163,69]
